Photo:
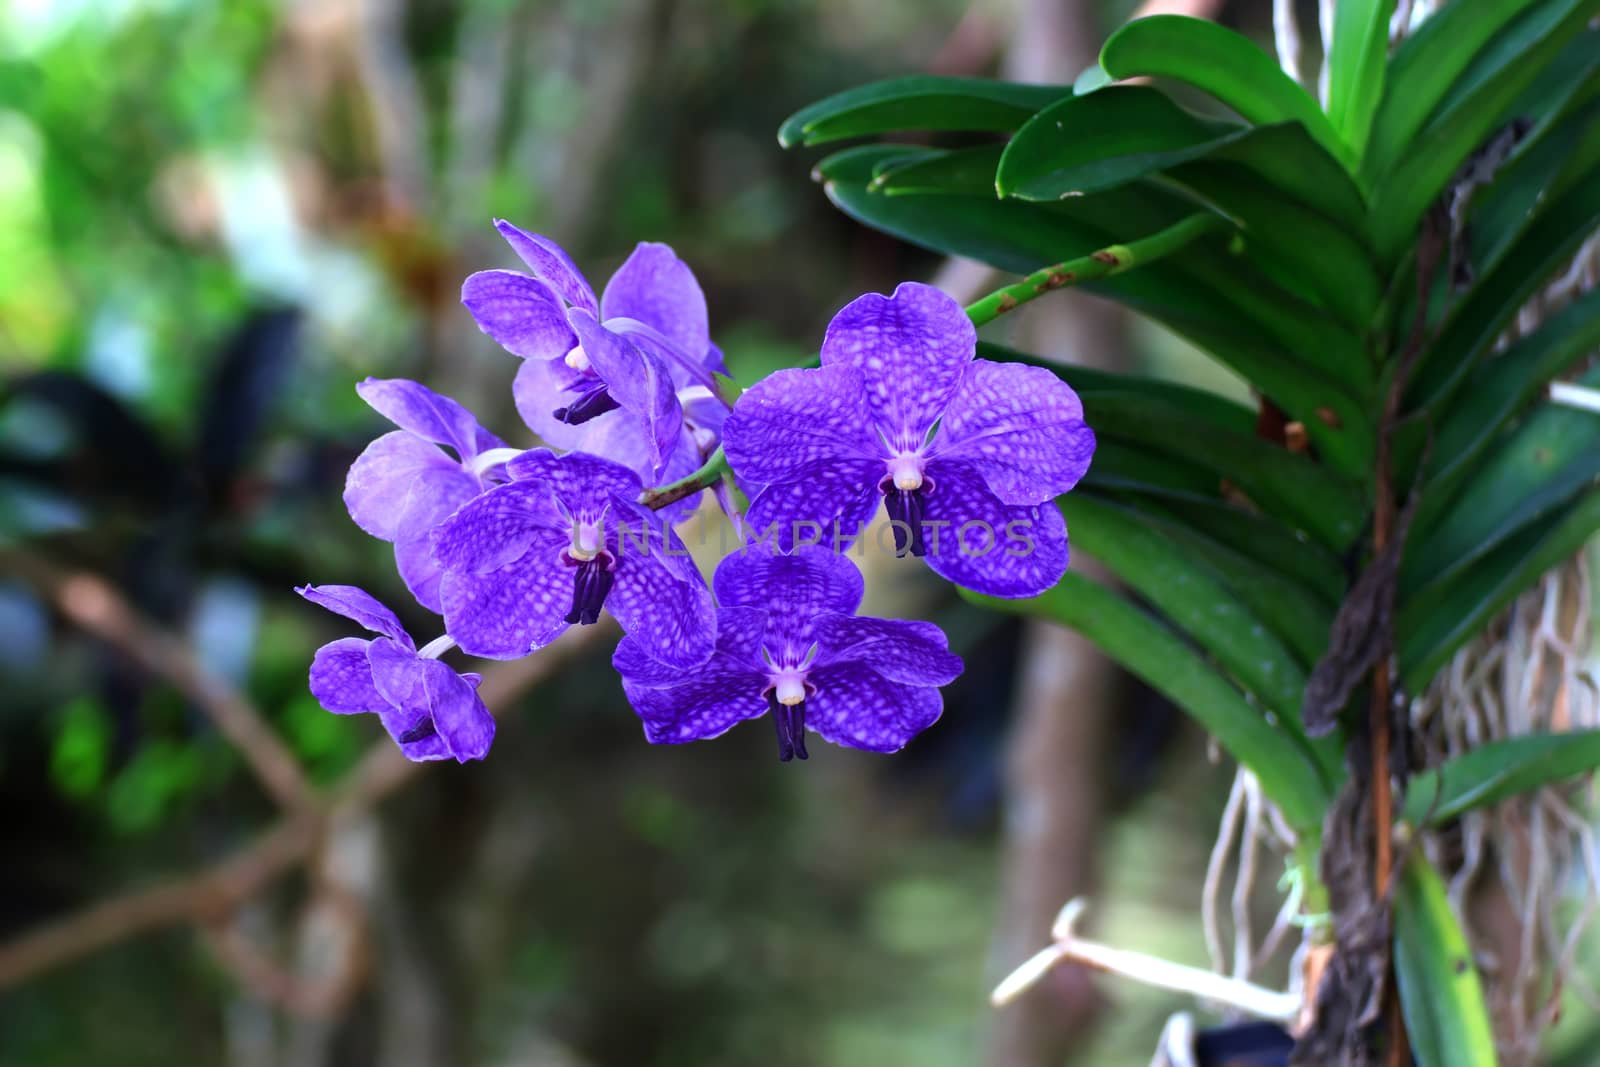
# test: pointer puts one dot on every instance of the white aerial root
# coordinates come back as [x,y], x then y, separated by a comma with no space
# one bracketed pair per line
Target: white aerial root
[1148,970]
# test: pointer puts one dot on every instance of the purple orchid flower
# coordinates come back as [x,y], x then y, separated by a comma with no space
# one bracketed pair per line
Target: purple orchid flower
[548,549]
[403,484]
[432,711]
[640,357]
[789,642]
[966,454]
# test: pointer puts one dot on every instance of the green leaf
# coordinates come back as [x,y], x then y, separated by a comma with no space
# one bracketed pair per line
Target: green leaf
[1565,141]
[1218,410]
[1089,143]
[1497,770]
[862,164]
[1127,132]
[1326,261]
[1501,387]
[1551,456]
[917,102]
[1470,330]
[1283,484]
[1294,614]
[1440,993]
[1271,544]
[1431,630]
[1403,191]
[1119,466]
[1357,62]
[1192,597]
[1425,66]
[959,171]
[1224,64]
[1150,650]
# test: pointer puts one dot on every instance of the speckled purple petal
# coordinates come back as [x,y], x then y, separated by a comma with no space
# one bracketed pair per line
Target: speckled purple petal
[738,648]
[358,605]
[635,380]
[795,419]
[508,613]
[414,407]
[399,675]
[1021,426]
[582,482]
[413,546]
[551,264]
[391,475]
[658,289]
[808,581]
[792,589]
[911,349]
[857,707]
[1026,545]
[498,527]
[519,313]
[539,388]
[670,617]
[902,650]
[459,716]
[341,679]
[709,703]
[829,504]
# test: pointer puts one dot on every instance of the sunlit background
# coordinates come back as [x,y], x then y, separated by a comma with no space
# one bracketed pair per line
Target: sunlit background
[215,217]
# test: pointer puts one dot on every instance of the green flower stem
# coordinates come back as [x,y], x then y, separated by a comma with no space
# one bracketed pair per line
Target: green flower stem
[1113,259]
[709,473]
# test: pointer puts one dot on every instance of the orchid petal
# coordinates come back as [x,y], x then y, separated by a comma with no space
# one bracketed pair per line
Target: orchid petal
[358,605]
[551,264]
[1021,426]
[858,707]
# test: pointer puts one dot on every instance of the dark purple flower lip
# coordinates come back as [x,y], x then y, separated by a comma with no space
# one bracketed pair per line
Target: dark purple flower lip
[420,732]
[592,400]
[786,699]
[905,510]
[790,721]
[591,584]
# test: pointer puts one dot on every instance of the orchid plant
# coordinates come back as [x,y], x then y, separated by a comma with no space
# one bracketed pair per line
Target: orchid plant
[1292,572]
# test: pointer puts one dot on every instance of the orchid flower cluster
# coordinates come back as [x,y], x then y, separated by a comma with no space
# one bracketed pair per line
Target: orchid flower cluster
[512,546]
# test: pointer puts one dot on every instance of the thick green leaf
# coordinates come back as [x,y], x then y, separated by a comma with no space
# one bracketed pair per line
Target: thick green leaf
[1563,142]
[1424,68]
[1497,770]
[1220,62]
[1218,410]
[863,163]
[1469,332]
[1271,544]
[1501,387]
[1146,647]
[1357,61]
[1283,484]
[1416,177]
[1440,993]
[1295,243]
[1286,156]
[1088,143]
[1294,614]
[1124,133]
[918,102]
[1193,597]
[1548,459]
[1121,466]
[1431,630]
[958,171]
